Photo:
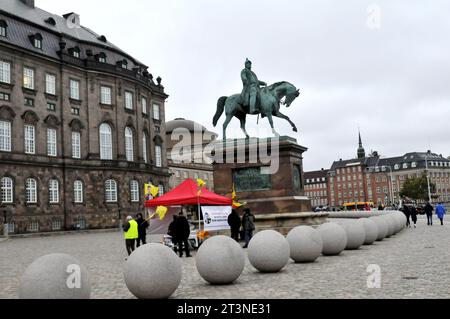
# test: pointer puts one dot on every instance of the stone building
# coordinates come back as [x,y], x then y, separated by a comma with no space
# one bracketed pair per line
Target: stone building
[81,124]
[316,188]
[186,140]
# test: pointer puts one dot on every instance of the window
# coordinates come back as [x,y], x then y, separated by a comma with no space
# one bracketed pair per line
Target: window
[51,142]
[51,107]
[75,111]
[106,96]
[185,175]
[144,148]
[134,191]
[405,166]
[11,228]
[56,224]
[74,89]
[3,28]
[76,145]
[397,167]
[158,155]
[111,191]
[7,190]
[144,105]
[161,190]
[31,191]
[78,192]
[128,100]
[177,174]
[156,114]
[50,84]
[30,139]
[5,136]
[105,142]
[29,102]
[37,41]
[28,78]
[5,72]
[414,165]
[129,149]
[53,191]
[5,96]
[33,226]
[102,58]
[76,53]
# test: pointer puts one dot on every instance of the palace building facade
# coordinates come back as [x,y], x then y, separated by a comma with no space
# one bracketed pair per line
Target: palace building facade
[81,125]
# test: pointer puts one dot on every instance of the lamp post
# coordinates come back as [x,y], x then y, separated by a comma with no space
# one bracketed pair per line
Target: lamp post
[428,175]
[391,184]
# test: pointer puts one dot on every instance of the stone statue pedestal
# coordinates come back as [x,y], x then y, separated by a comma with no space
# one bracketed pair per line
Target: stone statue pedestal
[244,164]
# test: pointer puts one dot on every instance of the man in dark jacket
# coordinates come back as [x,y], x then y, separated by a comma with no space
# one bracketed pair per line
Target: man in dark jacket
[182,232]
[234,220]
[142,230]
[429,211]
[407,213]
[248,223]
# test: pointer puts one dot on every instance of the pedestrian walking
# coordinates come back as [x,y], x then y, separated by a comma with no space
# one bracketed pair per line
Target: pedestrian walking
[172,232]
[429,212]
[414,216]
[248,224]
[441,212]
[142,230]
[407,213]
[234,220]
[182,233]
[131,234]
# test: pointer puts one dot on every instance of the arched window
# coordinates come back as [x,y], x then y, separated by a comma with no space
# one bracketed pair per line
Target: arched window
[78,192]
[134,191]
[7,190]
[111,191]
[129,149]
[144,148]
[53,191]
[105,142]
[3,29]
[31,191]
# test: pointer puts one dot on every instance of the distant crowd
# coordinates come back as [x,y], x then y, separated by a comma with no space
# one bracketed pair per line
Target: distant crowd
[412,211]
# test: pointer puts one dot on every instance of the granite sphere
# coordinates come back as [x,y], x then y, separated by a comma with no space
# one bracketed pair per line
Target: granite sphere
[356,234]
[391,225]
[306,244]
[371,229]
[382,227]
[269,251]
[153,271]
[55,276]
[334,238]
[220,260]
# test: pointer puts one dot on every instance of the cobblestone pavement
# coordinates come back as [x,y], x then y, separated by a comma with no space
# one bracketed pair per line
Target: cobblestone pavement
[414,264]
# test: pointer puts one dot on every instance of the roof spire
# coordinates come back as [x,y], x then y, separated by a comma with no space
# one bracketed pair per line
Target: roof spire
[361,150]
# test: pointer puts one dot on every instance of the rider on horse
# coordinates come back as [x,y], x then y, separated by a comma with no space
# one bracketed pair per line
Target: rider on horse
[251,91]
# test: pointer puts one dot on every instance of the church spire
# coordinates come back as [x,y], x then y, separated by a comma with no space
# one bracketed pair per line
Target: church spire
[361,150]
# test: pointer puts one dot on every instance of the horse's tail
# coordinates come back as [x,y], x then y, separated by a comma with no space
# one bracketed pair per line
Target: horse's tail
[220,109]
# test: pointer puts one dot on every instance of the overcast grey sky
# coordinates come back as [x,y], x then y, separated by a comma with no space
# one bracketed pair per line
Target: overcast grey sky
[393,82]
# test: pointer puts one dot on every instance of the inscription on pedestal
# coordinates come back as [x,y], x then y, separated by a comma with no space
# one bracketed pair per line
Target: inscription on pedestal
[251,179]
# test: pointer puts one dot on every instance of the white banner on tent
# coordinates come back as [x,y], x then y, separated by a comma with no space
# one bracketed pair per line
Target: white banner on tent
[216,217]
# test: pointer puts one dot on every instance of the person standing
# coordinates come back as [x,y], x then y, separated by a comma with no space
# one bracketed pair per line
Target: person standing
[234,220]
[429,212]
[142,230]
[414,216]
[131,234]
[248,223]
[182,232]
[407,213]
[441,212]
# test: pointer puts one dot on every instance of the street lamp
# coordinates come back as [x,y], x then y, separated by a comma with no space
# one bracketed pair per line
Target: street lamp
[428,175]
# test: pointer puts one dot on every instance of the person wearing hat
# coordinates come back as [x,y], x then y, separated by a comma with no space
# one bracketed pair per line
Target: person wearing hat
[251,89]
[131,234]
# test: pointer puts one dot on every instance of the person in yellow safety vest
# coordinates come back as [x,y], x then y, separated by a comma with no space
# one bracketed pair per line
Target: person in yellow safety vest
[131,234]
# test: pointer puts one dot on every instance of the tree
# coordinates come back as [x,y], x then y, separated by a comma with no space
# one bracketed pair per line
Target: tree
[416,188]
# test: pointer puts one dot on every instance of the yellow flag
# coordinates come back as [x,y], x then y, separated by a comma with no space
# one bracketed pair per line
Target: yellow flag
[162,211]
[238,205]
[233,193]
[146,189]
[154,191]
[201,183]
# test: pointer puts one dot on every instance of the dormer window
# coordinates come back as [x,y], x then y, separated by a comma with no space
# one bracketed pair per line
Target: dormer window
[3,28]
[123,64]
[397,167]
[75,52]
[36,41]
[101,57]
[51,21]
[414,165]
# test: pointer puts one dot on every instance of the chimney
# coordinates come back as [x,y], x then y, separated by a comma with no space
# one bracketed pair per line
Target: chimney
[28,3]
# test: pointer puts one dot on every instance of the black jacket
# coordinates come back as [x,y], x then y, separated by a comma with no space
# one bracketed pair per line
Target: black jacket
[142,226]
[182,228]
[234,220]
[248,222]
[428,209]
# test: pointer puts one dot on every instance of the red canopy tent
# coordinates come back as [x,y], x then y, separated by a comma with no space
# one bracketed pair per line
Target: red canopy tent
[187,193]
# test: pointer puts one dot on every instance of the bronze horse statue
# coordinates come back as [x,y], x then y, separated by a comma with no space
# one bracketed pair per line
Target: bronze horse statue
[269,102]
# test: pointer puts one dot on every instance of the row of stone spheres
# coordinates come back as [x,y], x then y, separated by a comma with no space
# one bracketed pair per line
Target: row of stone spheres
[154,271]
